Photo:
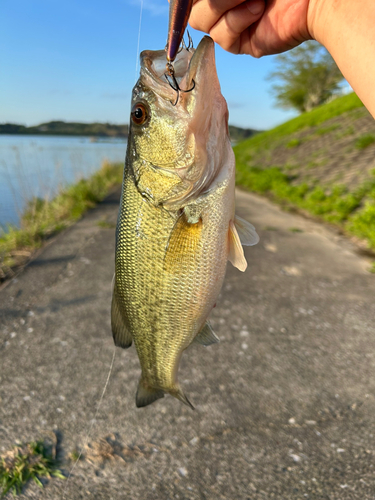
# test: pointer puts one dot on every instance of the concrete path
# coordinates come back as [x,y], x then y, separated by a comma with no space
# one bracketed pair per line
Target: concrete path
[285,403]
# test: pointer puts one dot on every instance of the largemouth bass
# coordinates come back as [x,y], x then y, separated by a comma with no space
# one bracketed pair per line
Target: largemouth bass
[176,227]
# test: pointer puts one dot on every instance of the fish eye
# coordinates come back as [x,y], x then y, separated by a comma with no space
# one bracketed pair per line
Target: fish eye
[139,113]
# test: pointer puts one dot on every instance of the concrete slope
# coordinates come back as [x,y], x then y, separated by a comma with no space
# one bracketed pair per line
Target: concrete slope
[285,404]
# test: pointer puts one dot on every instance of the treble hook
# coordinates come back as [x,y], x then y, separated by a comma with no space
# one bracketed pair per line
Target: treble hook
[190,44]
[171,79]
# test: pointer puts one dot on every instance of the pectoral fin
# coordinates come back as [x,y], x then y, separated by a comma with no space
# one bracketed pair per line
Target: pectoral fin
[206,336]
[246,231]
[147,395]
[121,335]
[183,243]
[236,255]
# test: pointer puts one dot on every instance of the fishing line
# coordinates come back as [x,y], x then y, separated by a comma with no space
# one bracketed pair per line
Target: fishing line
[93,421]
[139,38]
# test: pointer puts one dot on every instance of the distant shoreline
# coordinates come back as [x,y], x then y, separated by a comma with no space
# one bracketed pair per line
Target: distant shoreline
[95,137]
[24,134]
[61,128]
[97,130]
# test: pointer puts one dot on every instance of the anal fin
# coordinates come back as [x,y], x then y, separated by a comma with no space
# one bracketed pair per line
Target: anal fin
[206,336]
[121,335]
[147,395]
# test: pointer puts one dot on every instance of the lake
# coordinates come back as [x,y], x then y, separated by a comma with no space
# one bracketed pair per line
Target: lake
[40,165]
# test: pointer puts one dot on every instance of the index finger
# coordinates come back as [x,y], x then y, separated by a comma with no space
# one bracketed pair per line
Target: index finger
[206,13]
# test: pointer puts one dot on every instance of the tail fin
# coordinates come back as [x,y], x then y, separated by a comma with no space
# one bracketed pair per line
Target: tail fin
[147,395]
[177,393]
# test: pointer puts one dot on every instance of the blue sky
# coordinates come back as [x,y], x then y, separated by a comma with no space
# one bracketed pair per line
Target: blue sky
[75,60]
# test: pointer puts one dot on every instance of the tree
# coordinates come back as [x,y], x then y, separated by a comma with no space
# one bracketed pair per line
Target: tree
[306,77]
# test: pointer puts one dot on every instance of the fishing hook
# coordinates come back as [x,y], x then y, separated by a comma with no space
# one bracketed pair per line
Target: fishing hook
[171,79]
[190,40]
[190,44]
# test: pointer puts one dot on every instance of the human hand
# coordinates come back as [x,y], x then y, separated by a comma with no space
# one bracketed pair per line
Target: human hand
[255,27]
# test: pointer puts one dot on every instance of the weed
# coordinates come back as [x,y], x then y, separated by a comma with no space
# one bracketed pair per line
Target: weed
[362,224]
[359,113]
[364,141]
[289,167]
[27,462]
[293,143]
[105,224]
[295,230]
[372,268]
[326,130]
[75,455]
[348,131]
[315,163]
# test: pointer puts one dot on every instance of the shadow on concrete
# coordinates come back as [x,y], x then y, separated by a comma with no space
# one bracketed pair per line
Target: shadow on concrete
[55,260]
[53,306]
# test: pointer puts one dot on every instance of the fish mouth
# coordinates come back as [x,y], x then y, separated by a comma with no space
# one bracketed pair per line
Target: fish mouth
[190,67]
[203,110]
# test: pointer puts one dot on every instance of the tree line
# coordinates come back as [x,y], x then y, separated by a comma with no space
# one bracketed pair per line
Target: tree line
[67,128]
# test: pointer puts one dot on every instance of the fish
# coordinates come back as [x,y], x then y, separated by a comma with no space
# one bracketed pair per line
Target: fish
[176,225]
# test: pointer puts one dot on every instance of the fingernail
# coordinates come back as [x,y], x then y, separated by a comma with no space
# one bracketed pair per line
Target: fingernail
[255,7]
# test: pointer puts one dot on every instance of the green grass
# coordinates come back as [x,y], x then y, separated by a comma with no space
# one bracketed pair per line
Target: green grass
[364,141]
[293,143]
[355,211]
[352,210]
[24,463]
[326,130]
[44,218]
[362,223]
[269,139]
[105,224]
[75,455]
[345,133]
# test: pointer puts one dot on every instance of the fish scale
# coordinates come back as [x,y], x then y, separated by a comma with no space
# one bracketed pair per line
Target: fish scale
[171,251]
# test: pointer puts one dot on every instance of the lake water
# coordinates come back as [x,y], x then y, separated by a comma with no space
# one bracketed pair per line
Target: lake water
[40,165]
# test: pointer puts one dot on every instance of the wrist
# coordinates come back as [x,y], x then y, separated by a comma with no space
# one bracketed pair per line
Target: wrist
[318,15]
[346,29]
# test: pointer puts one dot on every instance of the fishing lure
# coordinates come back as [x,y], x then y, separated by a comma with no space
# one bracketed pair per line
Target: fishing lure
[179,13]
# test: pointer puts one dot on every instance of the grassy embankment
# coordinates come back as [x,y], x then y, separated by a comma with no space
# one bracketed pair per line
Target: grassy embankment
[45,218]
[294,164]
